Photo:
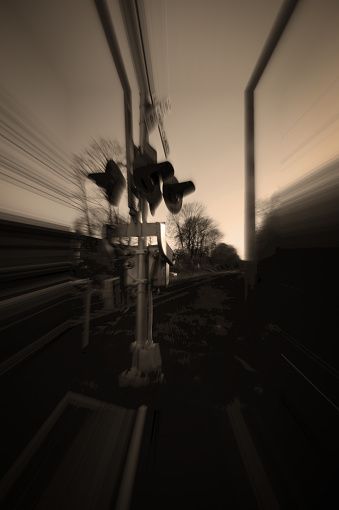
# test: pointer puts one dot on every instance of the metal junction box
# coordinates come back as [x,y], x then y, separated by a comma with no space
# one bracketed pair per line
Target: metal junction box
[158,269]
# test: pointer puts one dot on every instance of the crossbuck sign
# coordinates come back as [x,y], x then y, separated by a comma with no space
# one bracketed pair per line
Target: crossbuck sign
[155,113]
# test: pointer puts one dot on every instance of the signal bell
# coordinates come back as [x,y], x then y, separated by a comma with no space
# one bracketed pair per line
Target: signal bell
[147,181]
[112,181]
[174,191]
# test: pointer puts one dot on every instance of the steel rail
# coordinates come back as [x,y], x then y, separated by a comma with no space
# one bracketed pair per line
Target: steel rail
[325,366]
[310,382]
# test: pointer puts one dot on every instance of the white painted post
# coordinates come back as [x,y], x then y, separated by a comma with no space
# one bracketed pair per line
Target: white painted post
[107,294]
[87,312]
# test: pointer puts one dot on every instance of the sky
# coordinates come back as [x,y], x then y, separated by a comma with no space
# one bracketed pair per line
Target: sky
[60,89]
[212,48]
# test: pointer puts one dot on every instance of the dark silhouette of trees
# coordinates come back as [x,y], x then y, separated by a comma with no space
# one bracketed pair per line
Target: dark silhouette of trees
[225,256]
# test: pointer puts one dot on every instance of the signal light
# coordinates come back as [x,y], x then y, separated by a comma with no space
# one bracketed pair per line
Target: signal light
[174,192]
[147,181]
[147,177]
[112,181]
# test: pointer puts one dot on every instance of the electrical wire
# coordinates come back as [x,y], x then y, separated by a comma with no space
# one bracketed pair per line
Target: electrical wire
[37,191]
[20,141]
[30,161]
[32,137]
[22,171]
[147,75]
[166,48]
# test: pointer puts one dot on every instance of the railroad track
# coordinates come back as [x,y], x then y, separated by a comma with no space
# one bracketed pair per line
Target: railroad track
[175,289]
[310,394]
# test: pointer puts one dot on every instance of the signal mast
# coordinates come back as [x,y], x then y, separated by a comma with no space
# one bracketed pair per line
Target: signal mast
[147,182]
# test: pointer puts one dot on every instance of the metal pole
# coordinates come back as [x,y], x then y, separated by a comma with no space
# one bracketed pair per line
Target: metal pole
[141,322]
[112,41]
[129,154]
[134,18]
[150,314]
[145,357]
[249,178]
[141,330]
[278,28]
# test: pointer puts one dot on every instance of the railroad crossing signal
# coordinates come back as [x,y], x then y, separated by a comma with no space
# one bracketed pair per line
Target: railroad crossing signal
[112,181]
[173,193]
[147,180]
[148,177]
[147,266]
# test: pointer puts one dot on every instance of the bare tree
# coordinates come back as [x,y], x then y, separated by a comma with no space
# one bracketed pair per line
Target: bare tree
[94,206]
[191,230]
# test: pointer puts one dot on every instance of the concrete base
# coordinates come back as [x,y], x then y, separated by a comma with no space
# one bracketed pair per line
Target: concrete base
[146,366]
[138,379]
